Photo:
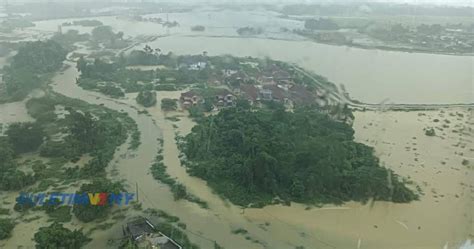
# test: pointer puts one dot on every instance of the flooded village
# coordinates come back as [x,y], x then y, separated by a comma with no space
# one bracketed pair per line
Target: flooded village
[268,138]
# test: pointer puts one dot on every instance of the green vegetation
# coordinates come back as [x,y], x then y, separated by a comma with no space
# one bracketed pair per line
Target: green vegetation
[88,213]
[146,98]
[430,132]
[169,104]
[56,211]
[158,170]
[105,35]
[249,31]
[239,231]
[69,38]
[25,137]
[57,236]
[10,177]
[29,68]
[304,156]
[6,227]
[198,28]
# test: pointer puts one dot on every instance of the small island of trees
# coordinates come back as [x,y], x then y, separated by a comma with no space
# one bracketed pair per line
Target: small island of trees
[146,98]
[252,157]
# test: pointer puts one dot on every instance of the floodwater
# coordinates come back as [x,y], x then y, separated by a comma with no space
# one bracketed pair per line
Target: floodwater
[441,219]
[438,170]
[370,76]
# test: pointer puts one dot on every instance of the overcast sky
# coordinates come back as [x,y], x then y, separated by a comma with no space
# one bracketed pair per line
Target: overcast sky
[437,2]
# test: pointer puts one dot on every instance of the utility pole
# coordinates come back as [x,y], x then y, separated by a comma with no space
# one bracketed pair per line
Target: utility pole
[136,190]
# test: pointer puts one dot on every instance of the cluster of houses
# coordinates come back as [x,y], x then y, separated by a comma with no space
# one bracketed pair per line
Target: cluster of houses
[273,84]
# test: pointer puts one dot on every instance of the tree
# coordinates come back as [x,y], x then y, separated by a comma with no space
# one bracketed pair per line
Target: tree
[88,212]
[146,98]
[169,104]
[243,104]
[57,236]
[6,155]
[83,130]
[10,177]
[81,65]
[32,60]
[6,227]
[40,56]
[179,191]
[103,34]
[25,137]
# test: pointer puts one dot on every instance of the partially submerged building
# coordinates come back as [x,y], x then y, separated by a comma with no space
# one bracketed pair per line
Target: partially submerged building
[145,235]
[190,98]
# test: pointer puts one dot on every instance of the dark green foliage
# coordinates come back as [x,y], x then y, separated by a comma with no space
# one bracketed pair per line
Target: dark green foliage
[198,28]
[6,154]
[25,137]
[158,170]
[57,236]
[112,90]
[39,56]
[169,104]
[87,212]
[254,156]
[103,33]
[69,38]
[249,31]
[10,177]
[28,66]
[6,227]
[146,98]
[430,132]
[56,211]
[243,104]
[13,179]
[179,191]
[196,112]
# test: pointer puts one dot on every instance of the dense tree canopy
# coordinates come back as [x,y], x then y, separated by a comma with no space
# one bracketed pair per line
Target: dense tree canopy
[40,56]
[25,137]
[253,156]
[6,227]
[169,104]
[32,61]
[88,213]
[103,33]
[10,177]
[146,98]
[57,236]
